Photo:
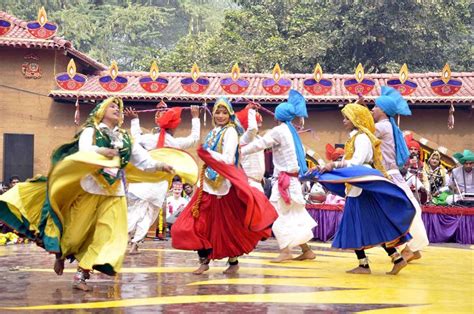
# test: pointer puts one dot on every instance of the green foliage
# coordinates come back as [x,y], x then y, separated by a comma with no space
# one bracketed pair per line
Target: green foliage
[382,35]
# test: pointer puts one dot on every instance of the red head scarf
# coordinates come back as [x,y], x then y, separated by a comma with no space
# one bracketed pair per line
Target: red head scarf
[243,116]
[332,153]
[411,143]
[169,120]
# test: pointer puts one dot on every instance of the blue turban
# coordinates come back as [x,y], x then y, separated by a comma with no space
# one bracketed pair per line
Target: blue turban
[392,103]
[294,107]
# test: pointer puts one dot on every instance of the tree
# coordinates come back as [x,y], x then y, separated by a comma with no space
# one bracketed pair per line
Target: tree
[382,35]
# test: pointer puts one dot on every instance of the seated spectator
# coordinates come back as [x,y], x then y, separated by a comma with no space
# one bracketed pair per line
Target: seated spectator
[188,191]
[13,181]
[437,177]
[413,171]
[461,181]
[175,203]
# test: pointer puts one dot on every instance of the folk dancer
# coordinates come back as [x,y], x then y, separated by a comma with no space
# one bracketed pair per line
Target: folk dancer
[253,164]
[226,216]
[80,211]
[294,225]
[146,201]
[395,154]
[376,210]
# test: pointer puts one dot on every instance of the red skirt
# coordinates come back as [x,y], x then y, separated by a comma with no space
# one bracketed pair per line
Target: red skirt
[230,225]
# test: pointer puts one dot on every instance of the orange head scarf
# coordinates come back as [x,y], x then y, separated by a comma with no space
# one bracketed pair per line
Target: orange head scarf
[243,116]
[171,119]
[332,153]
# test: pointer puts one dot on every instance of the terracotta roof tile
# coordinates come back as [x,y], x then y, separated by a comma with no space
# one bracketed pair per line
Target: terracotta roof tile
[338,93]
[19,37]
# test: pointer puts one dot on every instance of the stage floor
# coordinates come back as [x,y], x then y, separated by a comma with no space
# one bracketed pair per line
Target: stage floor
[159,280]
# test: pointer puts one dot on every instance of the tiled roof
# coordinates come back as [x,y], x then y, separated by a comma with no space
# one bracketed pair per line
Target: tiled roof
[19,37]
[338,94]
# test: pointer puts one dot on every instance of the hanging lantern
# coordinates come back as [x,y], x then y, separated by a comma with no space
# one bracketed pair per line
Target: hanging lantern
[451,117]
[317,85]
[402,84]
[41,28]
[359,85]
[276,85]
[113,82]
[446,86]
[77,113]
[234,84]
[71,80]
[153,83]
[195,84]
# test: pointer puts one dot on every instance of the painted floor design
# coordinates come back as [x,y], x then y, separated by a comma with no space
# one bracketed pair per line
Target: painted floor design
[159,280]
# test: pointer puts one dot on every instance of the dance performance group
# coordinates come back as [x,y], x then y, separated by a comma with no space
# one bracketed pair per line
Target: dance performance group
[79,211]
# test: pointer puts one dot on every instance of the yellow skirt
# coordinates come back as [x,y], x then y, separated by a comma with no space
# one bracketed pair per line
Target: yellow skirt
[61,217]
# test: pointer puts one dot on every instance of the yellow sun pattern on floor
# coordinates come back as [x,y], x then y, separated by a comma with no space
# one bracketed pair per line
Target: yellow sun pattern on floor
[441,282]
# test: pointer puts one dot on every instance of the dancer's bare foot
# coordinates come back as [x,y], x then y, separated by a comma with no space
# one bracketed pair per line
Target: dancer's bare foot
[202,268]
[305,255]
[134,249]
[360,270]
[409,255]
[59,266]
[397,267]
[232,269]
[284,256]
[80,285]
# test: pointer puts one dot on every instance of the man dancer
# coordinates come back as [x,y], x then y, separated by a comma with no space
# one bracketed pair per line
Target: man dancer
[395,154]
[147,199]
[252,164]
[294,225]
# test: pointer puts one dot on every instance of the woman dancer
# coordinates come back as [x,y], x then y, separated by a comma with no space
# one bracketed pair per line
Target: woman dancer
[376,211]
[80,211]
[226,217]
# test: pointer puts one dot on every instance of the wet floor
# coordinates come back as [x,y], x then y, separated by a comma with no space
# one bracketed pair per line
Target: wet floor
[159,280]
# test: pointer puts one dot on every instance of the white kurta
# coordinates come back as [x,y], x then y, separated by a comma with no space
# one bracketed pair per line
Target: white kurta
[294,225]
[146,199]
[460,181]
[139,157]
[253,164]
[230,143]
[384,132]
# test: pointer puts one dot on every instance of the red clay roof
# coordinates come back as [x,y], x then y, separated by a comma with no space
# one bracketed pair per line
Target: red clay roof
[19,37]
[338,94]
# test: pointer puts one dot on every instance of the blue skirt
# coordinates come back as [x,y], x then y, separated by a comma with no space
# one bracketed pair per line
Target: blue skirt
[381,214]
[366,223]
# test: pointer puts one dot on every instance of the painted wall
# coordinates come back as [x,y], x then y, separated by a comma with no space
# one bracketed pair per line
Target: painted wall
[25,108]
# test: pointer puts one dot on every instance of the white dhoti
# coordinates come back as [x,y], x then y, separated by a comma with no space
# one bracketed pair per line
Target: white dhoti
[144,203]
[417,230]
[294,226]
